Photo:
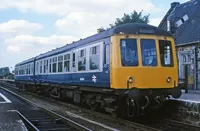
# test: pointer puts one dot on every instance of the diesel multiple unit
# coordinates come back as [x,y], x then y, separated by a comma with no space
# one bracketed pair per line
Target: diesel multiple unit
[127,69]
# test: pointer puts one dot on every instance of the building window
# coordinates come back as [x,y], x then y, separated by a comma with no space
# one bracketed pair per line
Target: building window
[54,64]
[60,63]
[184,59]
[82,60]
[67,63]
[189,58]
[94,57]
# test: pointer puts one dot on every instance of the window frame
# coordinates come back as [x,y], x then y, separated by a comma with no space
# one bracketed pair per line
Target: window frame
[96,53]
[87,47]
[155,41]
[171,52]
[138,55]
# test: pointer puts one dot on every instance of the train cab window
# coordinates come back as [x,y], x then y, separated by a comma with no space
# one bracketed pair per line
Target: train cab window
[67,63]
[149,56]
[60,63]
[166,56]
[94,57]
[82,60]
[129,53]
[54,64]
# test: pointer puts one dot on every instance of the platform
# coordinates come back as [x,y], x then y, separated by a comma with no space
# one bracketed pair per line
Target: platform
[192,96]
[9,119]
[187,107]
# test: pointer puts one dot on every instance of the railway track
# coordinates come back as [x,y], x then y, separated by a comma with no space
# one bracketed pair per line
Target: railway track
[41,119]
[155,125]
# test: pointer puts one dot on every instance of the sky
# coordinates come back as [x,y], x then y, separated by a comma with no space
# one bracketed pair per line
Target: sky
[31,27]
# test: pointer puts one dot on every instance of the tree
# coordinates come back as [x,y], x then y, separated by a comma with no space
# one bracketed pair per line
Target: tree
[4,72]
[132,18]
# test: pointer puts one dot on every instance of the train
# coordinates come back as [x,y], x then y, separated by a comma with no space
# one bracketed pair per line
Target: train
[126,70]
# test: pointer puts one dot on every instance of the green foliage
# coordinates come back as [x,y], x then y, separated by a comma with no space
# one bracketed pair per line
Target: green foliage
[132,18]
[4,71]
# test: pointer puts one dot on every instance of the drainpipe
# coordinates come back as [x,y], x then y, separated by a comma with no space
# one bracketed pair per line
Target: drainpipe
[168,26]
[195,67]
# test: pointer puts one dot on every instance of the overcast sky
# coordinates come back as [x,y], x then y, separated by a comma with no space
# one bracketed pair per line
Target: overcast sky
[31,27]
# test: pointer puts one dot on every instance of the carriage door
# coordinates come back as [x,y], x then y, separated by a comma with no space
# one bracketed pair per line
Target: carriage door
[73,67]
[186,58]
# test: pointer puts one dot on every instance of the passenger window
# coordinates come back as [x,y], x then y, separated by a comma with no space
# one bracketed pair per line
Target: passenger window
[60,64]
[149,56]
[82,60]
[54,64]
[50,65]
[73,60]
[166,56]
[40,67]
[94,57]
[47,65]
[129,53]
[44,65]
[37,68]
[67,63]
[26,70]
[29,69]
[107,54]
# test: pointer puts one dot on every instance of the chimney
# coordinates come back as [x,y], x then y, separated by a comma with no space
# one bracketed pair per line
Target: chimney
[174,4]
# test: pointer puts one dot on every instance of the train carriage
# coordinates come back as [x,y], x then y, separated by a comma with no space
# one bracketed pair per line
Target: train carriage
[128,68]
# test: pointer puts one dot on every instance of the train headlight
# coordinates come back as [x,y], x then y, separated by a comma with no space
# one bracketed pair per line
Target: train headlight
[169,79]
[130,79]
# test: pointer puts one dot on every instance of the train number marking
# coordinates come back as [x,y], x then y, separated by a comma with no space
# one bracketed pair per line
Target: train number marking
[6,100]
[94,78]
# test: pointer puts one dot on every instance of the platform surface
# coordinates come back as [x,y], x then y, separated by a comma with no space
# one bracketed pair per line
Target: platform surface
[9,118]
[191,96]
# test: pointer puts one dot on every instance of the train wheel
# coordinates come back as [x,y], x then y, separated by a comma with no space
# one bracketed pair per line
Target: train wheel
[114,114]
[93,105]
[131,107]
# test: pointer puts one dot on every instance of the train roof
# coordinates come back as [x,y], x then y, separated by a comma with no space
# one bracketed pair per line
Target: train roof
[129,28]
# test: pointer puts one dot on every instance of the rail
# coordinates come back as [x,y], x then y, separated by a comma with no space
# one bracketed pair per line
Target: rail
[134,125]
[35,118]
[164,124]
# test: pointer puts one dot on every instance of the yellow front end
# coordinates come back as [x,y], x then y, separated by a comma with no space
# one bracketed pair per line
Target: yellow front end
[143,74]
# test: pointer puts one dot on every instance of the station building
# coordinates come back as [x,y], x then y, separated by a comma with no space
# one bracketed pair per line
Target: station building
[183,21]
